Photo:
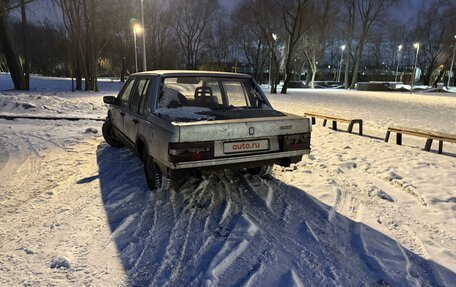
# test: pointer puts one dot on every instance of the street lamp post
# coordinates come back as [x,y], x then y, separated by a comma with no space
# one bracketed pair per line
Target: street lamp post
[452,63]
[143,37]
[136,29]
[399,49]
[340,63]
[417,47]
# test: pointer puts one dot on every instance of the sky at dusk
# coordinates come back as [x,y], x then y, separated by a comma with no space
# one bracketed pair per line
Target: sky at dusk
[44,9]
[229,4]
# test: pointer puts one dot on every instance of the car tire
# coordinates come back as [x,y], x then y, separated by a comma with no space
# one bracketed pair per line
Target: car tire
[110,135]
[152,172]
[261,171]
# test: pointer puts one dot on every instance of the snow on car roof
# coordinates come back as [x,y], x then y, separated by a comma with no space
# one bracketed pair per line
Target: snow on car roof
[191,73]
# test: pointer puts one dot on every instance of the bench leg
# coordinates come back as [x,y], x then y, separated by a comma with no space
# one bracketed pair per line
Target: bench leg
[350,127]
[387,137]
[352,123]
[399,138]
[313,121]
[440,147]
[335,125]
[428,145]
[324,122]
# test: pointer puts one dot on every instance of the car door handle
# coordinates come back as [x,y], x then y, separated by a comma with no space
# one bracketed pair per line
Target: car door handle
[135,121]
[122,114]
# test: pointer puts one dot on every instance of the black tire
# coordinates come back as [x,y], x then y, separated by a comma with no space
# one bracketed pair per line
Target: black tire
[110,135]
[261,171]
[152,172]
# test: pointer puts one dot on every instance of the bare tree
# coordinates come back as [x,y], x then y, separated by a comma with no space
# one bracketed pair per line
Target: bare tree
[72,18]
[267,19]
[46,57]
[162,40]
[435,36]
[120,41]
[89,32]
[313,44]
[361,15]
[296,22]
[25,46]
[251,38]
[16,70]
[192,20]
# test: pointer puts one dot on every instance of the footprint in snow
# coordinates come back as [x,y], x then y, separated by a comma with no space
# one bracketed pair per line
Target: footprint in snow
[391,175]
[384,195]
[59,262]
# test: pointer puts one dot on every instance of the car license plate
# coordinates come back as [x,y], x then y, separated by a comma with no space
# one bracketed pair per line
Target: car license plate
[245,146]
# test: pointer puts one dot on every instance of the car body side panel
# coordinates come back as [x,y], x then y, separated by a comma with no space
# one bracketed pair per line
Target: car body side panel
[117,117]
[158,134]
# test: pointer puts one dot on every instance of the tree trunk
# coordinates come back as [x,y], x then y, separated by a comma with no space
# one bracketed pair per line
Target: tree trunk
[78,74]
[288,67]
[275,79]
[312,80]
[347,66]
[359,52]
[26,51]
[12,60]
[308,77]
[94,47]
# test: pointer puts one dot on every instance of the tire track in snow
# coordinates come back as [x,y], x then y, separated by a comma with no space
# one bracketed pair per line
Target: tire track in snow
[4,154]
[186,206]
[200,191]
[285,240]
[19,173]
[261,188]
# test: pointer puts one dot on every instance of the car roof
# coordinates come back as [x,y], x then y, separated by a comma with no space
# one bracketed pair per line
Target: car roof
[177,73]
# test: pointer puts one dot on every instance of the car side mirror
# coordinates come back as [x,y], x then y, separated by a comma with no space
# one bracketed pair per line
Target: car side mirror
[110,100]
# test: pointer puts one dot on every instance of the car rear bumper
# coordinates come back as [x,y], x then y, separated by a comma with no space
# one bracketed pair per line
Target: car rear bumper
[238,160]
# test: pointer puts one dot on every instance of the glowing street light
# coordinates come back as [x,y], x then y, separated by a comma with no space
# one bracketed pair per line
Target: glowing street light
[341,61]
[137,29]
[450,73]
[399,50]
[417,47]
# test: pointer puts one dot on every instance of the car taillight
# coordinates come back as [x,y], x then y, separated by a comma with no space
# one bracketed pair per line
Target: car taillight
[295,142]
[182,152]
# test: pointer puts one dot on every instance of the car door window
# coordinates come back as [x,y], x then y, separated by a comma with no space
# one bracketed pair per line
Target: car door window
[125,94]
[139,90]
[147,100]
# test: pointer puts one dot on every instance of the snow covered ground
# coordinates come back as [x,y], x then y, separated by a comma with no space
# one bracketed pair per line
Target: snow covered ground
[356,212]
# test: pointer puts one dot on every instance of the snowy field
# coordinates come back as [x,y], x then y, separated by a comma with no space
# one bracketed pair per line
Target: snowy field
[356,212]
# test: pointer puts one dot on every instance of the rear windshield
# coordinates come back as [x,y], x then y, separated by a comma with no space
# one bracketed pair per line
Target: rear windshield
[206,92]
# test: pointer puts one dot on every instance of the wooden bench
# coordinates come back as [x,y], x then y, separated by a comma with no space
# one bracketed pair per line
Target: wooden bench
[335,119]
[429,135]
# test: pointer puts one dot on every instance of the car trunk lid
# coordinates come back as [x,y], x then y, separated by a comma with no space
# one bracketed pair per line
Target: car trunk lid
[242,129]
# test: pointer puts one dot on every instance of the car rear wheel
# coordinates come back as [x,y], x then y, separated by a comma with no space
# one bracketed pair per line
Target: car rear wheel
[110,135]
[261,171]
[153,173]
